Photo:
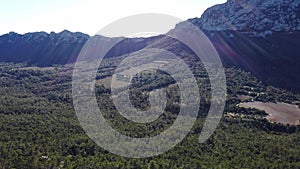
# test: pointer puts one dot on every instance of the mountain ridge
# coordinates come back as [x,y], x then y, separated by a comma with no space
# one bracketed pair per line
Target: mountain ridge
[271,52]
[55,48]
[254,17]
[46,49]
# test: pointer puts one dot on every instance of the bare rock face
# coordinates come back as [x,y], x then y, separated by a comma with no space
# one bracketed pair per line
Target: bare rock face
[254,17]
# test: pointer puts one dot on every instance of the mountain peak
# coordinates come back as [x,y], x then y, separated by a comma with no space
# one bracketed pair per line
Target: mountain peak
[255,17]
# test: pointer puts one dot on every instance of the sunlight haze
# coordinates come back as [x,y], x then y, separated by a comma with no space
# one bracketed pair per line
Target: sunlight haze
[88,16]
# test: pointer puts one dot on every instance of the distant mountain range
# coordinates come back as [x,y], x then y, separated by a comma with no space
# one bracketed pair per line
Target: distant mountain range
[259,36]
[43,49]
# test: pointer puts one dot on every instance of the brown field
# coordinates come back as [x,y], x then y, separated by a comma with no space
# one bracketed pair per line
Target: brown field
[278,112]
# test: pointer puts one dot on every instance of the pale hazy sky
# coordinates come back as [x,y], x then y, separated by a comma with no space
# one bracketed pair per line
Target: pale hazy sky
[87,16]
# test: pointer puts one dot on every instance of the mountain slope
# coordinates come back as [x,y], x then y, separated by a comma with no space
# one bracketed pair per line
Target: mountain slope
[259,36]
[274,60]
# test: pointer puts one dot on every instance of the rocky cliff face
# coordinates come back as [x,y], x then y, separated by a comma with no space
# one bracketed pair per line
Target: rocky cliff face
[254,17]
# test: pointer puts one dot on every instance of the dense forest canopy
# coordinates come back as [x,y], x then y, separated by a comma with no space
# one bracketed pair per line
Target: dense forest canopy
[39,128]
